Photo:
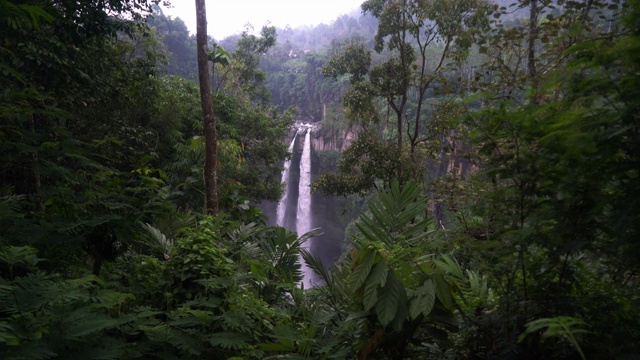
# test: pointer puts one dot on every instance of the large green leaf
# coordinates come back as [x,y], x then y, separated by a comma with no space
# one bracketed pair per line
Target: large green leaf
[377,278]
[443,291]
[389,299]
[220,56]
[398,322]
[423,300]
[361,272]
[451,266]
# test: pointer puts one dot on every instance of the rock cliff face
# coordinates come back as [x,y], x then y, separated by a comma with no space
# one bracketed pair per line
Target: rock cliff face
[323,139]
[334,140]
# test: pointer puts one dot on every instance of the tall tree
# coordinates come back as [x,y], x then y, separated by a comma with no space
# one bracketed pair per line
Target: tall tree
[79,82]
[418,42]
[210,185]
[422,36]
[552,144]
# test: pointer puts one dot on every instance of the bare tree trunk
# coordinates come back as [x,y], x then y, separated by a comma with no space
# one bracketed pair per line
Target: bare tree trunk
[210,136]
[533,33]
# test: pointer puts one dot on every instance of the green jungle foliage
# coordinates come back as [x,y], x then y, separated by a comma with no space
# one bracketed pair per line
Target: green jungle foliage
[498,151]
[180,45]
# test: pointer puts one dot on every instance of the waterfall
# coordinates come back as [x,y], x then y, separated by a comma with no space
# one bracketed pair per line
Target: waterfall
[282,205]
[303,222]
[303,218]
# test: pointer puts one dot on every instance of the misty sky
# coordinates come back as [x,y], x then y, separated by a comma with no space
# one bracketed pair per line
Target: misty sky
[227,17]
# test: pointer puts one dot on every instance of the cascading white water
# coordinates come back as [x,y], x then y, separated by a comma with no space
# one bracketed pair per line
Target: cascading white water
[303,218]
[282,205]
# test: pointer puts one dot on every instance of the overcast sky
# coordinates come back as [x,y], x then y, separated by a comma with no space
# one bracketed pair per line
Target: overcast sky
[227,17]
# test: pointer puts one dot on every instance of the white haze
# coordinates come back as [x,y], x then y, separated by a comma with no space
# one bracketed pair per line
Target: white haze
[228,17]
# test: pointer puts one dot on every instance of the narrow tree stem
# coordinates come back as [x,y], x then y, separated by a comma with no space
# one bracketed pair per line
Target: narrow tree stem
[533,33]
[211,156]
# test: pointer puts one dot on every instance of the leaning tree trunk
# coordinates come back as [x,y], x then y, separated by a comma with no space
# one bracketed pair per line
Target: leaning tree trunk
[533,33]
[210,136]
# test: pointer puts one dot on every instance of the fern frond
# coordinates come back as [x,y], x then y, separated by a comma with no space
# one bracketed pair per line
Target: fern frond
[228,340]
[36,350]
[393,217]
[158,240]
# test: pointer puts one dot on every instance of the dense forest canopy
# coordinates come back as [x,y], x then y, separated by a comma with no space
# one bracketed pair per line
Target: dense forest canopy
[497,149]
